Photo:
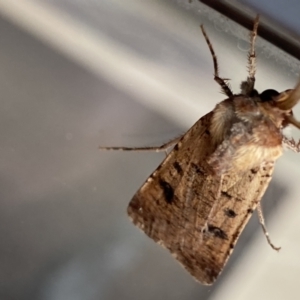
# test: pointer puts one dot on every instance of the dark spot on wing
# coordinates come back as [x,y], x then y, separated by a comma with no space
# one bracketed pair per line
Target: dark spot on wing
[167,190]
[178,167]
[217,232]
[231,246]
[207,132]
[267,175]
[197,169]
[226,195]
[176,147]
[230,213]
[255,170]
[249,211]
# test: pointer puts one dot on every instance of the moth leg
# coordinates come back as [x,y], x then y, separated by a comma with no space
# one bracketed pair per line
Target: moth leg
[248,86]
[291,144]
[263,225]
[160,148]
[221,81]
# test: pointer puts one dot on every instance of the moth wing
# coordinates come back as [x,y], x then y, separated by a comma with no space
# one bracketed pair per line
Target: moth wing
[179,207]
[229,215]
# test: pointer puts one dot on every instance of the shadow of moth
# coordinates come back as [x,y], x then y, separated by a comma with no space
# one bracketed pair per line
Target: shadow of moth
[198,201]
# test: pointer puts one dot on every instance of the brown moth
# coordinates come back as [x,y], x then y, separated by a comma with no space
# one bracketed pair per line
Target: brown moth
[198,201]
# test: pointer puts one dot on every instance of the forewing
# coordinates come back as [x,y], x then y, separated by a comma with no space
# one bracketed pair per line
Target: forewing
[229,215]
[196,215]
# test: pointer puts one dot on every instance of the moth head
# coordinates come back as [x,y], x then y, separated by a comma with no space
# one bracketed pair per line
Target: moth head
[284,101]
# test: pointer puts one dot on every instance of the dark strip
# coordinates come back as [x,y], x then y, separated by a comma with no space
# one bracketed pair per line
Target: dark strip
[178,167]
[254,171]
[230,213]
[167,190]
[266,176]
[197,169]
[250,211]
[217,232]
[225,194]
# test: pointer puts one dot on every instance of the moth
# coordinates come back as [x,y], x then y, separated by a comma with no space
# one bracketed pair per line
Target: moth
[198,201]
